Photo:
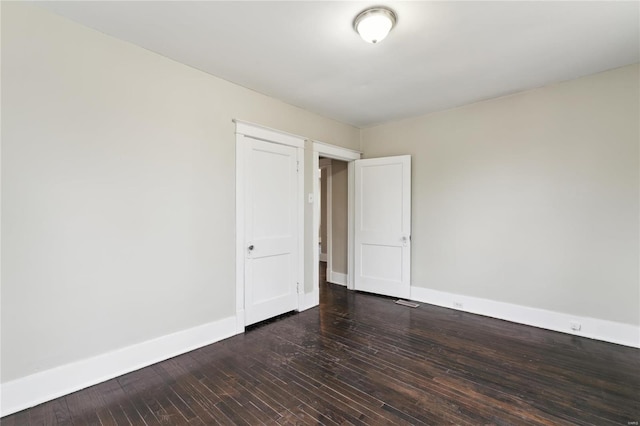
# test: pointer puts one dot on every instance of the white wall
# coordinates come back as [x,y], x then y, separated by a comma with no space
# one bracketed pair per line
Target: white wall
[118,194]
[530,199]
[117,190]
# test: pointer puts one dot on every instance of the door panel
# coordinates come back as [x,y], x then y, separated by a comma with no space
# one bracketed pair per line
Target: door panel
[381,182]
[383,225]
[267,272]
[382,262]
[271,230]
[271,173]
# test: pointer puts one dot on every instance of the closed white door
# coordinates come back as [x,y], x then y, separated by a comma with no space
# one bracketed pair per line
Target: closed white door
[383,225]
[271,230]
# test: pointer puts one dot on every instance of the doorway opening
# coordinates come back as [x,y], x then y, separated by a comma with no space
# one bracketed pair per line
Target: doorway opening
[333,232]
[340,160]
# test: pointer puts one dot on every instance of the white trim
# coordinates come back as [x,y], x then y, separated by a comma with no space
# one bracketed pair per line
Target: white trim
[240,214]
[337,278]
[593,328]
[301,205]
[351,202]
[315,238]
[268,134]
[336,152]
[325,165]
[32,390]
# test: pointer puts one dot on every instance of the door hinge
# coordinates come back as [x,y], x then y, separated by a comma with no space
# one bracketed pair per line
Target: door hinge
[298,287]
[297,166]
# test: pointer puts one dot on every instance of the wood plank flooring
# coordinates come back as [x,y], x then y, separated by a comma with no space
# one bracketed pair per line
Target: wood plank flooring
[360,359]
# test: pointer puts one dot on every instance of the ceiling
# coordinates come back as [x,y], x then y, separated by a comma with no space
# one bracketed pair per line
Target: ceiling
[440,54]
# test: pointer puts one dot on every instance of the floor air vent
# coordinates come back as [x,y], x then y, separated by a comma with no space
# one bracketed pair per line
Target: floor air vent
[407,303]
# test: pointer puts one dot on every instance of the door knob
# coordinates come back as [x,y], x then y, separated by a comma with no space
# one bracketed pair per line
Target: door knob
[250,247]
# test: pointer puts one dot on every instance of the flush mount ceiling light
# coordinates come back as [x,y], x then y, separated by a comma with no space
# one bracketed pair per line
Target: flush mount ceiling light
[374,24]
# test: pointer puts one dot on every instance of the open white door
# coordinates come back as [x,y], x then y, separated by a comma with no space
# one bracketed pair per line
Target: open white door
[382,237]
[271,230]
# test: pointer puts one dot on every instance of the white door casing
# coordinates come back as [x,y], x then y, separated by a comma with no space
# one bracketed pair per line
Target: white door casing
[342,154]
[382,224]
[270,220]
[326,167]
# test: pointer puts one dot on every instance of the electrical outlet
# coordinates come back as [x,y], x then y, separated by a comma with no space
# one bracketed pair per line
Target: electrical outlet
[457,305]
[575,326]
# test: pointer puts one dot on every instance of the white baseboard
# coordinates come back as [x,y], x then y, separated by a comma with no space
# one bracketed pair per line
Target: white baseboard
[323,257]
[337,278]
[309,300]
[593,328]
[32,390]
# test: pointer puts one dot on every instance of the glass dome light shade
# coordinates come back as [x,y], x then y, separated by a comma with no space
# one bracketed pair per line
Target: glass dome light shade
[374,25]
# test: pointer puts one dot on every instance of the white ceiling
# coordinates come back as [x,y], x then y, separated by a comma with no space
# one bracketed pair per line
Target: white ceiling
[440,54]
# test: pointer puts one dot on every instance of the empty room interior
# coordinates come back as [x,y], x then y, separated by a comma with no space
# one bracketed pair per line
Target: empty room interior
[301,212]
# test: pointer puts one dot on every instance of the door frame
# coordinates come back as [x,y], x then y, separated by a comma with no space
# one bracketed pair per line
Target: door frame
[243,131]
[342,154]
[326,169]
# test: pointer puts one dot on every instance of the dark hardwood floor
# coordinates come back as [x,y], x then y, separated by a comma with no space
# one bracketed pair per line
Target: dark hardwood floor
[361,359]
